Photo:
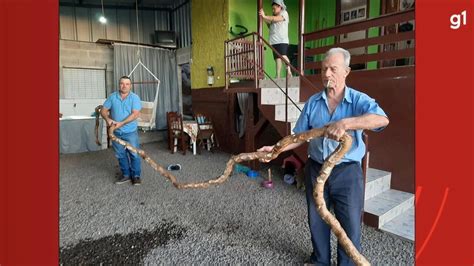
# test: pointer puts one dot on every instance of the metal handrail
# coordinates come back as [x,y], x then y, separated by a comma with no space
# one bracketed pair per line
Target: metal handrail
[278,86]
[300,73]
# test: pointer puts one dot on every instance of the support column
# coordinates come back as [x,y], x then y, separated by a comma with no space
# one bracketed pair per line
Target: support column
[259,19]
[300,37]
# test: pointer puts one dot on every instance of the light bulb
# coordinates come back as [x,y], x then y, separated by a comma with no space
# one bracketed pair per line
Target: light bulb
[102,20]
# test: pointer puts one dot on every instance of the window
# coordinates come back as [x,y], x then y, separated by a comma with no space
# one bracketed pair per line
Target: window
[84,83]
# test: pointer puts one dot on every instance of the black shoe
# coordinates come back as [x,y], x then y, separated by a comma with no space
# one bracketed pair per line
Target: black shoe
[123,180]
[136,181]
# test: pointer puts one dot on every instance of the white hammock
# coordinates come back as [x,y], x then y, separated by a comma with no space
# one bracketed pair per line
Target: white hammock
[147,117]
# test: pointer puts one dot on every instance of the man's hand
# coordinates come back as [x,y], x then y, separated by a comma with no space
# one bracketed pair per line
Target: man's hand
[118,124]
[110,122]
[261,13]
[266,149]
[335,130]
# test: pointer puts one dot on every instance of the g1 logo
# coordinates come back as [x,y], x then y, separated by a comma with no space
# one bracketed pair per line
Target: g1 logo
[456,20]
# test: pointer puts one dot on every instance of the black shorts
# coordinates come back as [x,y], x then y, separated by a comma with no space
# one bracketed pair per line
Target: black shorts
[281,48]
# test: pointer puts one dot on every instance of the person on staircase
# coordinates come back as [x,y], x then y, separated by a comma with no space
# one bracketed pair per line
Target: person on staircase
[278,35]
[340,109]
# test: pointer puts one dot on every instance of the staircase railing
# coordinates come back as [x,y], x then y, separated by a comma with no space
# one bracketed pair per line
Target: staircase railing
[242,56]
[389,41]
[244,61]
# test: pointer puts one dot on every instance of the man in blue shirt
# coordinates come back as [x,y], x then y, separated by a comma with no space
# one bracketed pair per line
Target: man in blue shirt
[340,109]
[124,107]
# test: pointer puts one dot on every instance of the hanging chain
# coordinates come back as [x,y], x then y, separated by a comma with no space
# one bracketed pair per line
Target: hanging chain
[103,13]
[138,31]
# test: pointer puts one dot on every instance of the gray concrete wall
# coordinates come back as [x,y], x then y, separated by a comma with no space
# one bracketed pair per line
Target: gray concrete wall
[86,55]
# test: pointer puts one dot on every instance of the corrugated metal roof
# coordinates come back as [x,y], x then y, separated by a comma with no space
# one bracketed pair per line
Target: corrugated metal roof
[81,23]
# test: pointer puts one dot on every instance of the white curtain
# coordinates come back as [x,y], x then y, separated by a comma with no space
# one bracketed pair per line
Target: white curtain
[162,63]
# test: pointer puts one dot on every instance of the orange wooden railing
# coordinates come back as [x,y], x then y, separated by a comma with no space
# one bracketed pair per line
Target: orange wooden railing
[384,52]
[243,58]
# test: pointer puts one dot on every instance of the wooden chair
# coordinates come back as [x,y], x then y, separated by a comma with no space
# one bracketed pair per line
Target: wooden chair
[206,135]
[178,134]
[170,135]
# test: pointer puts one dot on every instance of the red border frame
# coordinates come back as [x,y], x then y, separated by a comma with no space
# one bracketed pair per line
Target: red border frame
[29,189]
[444,71]
[444,116]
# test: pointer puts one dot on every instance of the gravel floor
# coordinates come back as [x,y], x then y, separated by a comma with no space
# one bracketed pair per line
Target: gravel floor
[237,222]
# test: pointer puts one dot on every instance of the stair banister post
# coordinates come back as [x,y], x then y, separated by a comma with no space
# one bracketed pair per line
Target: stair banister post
[259,19]
[225,66]
[255,73]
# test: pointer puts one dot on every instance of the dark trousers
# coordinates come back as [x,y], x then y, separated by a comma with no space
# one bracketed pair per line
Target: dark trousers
[344,192]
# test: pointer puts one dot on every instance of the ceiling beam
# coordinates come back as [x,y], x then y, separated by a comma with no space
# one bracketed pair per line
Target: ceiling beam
[115,6]
[184,3]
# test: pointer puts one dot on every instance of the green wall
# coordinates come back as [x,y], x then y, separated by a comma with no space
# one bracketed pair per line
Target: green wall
[209,29]
[320,14]
[374,11]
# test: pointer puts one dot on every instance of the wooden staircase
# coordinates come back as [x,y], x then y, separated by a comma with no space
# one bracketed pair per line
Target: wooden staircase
[279,101]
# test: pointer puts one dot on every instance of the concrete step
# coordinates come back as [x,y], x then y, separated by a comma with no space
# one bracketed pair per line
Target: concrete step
[274,95]
[293,112]
[378,181]
[402,225]
[267,83]
[387,205]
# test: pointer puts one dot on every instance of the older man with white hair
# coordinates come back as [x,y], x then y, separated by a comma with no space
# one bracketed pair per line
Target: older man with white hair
[340,109]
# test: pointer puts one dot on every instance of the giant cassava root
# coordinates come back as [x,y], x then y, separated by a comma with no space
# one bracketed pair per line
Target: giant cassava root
[318,192]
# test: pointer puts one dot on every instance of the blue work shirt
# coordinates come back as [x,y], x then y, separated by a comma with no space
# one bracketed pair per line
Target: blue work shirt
[315,114]
[121,109]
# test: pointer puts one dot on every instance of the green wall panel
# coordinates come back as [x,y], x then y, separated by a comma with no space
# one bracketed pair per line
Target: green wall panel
[374,11]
